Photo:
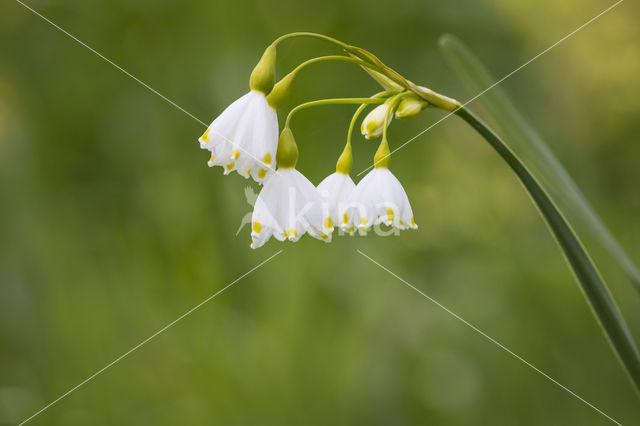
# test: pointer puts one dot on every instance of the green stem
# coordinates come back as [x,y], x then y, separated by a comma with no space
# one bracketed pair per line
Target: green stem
[280,91]
[334,101]
[332,58]
[382,156]
[374,63]
[322,37]
[592,284]
[367,57]
[353,122]
[393,103]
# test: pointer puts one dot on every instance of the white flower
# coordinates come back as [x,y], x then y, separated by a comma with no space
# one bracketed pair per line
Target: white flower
[287,207]
[373,123]
[335,190]
[378,198]
[244,137]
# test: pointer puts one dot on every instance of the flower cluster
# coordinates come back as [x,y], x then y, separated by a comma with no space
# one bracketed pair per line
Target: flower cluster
[244,138]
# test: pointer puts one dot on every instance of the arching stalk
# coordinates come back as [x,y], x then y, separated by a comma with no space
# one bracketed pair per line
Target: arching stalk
[334,101]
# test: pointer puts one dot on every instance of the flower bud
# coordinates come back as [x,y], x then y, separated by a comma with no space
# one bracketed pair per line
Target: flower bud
[287,153]
[410,107]
[373,123]
[280,92]
[263,74]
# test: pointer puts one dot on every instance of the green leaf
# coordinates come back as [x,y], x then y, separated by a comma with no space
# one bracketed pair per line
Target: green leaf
[592,284]
[534,152]
[586,273]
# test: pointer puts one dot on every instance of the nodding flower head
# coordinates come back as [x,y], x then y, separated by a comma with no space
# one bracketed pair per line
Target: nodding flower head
[335,190]
[244,137]
[378,198]
[288,207]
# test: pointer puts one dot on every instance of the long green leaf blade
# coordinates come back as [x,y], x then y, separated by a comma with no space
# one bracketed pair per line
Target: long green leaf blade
[532,149]
[592,284]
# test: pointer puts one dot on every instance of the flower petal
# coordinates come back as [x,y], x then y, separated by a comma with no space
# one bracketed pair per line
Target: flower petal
[244,137]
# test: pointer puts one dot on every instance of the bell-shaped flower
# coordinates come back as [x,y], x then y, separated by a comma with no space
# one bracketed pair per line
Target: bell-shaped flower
[244,137]
[287,207]
[335,190]
[378,198]
[373,124]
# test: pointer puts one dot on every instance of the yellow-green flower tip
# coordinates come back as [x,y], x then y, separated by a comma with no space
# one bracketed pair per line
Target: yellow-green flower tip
[280,92]
[383,155]
[345,161]
[287,153]
[263,74]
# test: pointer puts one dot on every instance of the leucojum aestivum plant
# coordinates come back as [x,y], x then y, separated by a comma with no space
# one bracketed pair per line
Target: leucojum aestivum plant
[245,138]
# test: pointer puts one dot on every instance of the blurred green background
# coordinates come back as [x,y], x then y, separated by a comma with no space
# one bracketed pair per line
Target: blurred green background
[112,225]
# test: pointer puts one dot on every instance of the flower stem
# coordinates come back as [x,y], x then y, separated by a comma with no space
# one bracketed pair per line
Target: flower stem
[592,284]
[383,155]
[323,37]
[334,101]
[332,58]
[393,103]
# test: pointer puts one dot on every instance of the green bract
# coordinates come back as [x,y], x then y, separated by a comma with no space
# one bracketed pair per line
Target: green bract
[287,154]
[263,74]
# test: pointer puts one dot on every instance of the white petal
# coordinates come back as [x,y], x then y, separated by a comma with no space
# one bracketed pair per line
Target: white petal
[310,202]
[335,190]
[264,223]
[287,207]
[379,198]
[359,206]
[244,137]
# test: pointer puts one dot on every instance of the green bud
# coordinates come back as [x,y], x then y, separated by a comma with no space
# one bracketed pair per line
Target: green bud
[383,155]
[263,74]
[345,161]
[280,92]
[410,107]
[373,124]
[287,153]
